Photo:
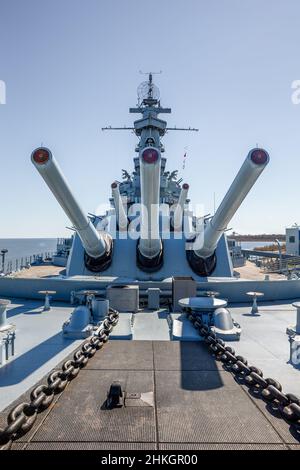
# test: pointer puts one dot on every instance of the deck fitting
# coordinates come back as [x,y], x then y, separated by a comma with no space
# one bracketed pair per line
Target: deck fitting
[115,396]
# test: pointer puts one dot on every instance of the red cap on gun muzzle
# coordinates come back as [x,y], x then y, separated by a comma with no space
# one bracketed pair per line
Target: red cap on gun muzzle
[259,156]
[41,156]
[150,155]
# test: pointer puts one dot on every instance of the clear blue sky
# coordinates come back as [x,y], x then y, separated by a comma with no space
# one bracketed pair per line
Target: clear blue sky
[71,66]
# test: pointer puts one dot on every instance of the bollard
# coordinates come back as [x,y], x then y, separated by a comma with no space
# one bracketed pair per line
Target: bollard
[47,302]
[3,320]
[294,330]
[297,326]
[99,308]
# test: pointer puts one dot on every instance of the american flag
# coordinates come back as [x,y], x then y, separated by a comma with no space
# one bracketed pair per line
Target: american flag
[184,160]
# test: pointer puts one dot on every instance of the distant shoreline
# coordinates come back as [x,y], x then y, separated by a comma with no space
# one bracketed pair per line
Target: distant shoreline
[22,250]
[30,238]
[257,238]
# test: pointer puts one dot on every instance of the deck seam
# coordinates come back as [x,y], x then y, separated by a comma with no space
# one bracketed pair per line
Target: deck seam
[164,442]
[45,416]
[157,422]
[159,370]
[154,396]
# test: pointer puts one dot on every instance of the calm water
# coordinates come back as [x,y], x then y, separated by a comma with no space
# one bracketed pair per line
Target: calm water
[252,245]
[25,247]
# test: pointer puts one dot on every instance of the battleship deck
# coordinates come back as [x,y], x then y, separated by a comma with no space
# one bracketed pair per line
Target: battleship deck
[196,402]
[196,405]
[229,287]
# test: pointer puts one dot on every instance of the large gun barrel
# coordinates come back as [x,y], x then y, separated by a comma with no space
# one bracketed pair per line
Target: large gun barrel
[98,246]
[149,250]
[179,210]
[121,216]
[202,259]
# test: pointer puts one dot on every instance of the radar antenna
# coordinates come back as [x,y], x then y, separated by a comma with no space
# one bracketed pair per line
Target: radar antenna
[148,93]
[148,102]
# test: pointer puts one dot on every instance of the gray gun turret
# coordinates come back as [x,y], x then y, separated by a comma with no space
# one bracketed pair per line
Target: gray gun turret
[179,210]
[150,128]
[202,258]
[97,245]
[121,216]
[145,183]
[149,251]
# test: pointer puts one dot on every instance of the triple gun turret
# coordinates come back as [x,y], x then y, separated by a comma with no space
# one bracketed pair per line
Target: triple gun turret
[201,252]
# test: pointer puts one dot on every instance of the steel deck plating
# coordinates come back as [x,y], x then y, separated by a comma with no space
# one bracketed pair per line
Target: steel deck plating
[197,404]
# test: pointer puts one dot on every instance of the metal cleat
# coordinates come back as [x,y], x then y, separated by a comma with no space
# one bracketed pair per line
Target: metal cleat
[115,396]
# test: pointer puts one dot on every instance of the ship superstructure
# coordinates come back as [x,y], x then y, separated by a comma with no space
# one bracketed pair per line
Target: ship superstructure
[151,219]
[156,281]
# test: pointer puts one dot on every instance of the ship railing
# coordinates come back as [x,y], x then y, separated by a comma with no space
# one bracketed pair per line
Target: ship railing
[12,266]
[283,265]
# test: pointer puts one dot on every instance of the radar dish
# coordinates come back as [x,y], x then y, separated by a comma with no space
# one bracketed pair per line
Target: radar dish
[147,90]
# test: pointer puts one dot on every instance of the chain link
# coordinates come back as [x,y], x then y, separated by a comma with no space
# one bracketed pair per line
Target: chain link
[23,416]
[268,389]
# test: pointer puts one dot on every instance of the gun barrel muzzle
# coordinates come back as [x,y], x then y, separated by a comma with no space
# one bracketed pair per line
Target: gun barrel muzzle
[94,243]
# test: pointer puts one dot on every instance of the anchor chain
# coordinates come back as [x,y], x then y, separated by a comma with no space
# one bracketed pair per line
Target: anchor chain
[268,389]
[23,416]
